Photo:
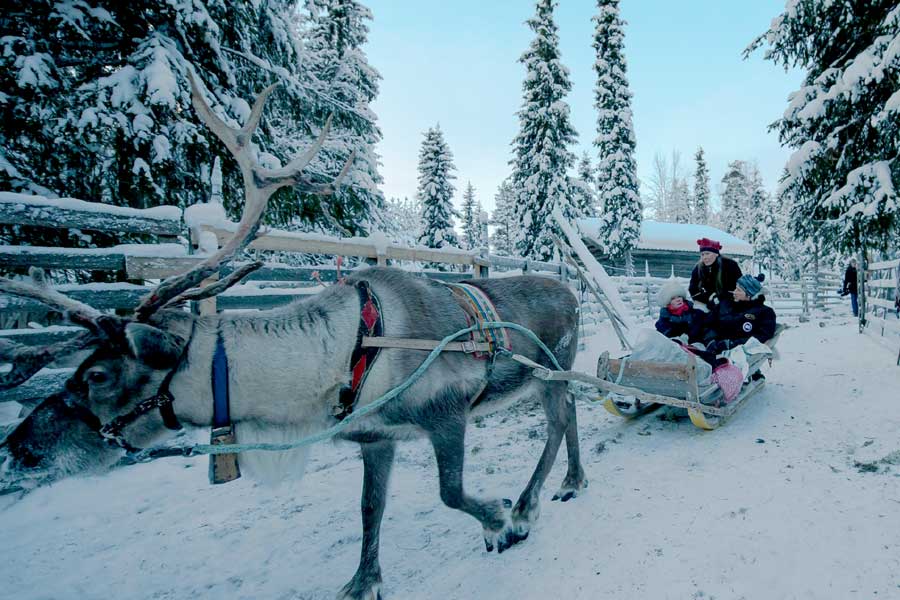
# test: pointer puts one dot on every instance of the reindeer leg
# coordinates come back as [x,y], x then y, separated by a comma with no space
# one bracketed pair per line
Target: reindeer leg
[527,509]
[448,439]
[378,458]
[575,480]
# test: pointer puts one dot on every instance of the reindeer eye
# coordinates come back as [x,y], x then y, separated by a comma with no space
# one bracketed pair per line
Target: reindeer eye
[97,376]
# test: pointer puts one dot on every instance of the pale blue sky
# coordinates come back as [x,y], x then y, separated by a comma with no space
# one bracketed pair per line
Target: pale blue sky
[456,63]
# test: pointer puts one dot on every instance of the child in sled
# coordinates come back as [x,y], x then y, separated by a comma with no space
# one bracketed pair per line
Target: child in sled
[677,315]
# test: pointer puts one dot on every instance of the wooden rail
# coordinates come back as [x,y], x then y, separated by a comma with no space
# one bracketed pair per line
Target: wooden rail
[67,213]
[879,290]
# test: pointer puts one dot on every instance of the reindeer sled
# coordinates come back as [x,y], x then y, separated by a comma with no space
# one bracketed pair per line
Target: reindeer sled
[631,387]
[652,385]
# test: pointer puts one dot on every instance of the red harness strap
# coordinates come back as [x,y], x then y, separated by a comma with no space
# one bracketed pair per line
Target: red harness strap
[362,359]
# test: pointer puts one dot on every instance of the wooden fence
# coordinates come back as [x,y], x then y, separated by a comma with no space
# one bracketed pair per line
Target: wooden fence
[878,314]
[178,236]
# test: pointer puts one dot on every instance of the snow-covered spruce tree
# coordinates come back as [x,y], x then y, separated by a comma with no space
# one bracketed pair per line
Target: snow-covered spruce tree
[617,182]
[97,102]
[401,221]
[701,189]
[503,220]
[768,243]
[844,123]
[757,203]
[541,155]
[435,191]
[735,198]
[484,220]
[471,219]
[584,197]
[336,67]
[681,202]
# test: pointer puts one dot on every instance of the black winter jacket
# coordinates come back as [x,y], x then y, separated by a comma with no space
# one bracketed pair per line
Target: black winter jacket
[718,280]
[850,280]
[734,323]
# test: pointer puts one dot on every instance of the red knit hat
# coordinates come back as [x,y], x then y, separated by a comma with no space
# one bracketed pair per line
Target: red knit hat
[708,245]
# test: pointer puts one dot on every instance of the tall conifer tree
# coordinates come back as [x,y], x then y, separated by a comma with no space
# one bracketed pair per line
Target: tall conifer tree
[346,84]
[735,197]
[701,189]
[471,219]
[503,220]
[617,182]
[541,155]
[584,195]
[435,191]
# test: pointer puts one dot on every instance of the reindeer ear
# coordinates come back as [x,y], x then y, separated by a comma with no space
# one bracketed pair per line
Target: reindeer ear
[154,347]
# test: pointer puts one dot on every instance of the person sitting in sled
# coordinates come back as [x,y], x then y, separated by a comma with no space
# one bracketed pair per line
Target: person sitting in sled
[713,277]
[677,315]
[744,316]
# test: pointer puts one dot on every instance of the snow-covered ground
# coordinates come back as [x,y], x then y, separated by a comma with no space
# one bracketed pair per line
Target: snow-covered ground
[798,496]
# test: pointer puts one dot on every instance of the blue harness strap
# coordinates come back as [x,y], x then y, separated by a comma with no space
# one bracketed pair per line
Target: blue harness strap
[221,414]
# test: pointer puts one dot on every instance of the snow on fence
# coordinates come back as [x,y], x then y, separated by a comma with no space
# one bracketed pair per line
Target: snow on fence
[879,296]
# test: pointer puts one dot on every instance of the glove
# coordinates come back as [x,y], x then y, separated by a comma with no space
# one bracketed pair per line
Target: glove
[713,299]
[717,347]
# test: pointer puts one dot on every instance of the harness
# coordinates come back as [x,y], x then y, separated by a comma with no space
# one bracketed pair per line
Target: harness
[484,343]
[479,310]
[362,358]
[162,400]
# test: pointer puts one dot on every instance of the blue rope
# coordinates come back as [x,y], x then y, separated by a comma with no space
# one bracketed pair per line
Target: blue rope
[149,454]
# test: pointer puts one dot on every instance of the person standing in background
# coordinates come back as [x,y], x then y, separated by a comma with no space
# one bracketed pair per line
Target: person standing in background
[849,287]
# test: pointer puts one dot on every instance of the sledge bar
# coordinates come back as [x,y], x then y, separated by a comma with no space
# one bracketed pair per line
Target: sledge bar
[607,386]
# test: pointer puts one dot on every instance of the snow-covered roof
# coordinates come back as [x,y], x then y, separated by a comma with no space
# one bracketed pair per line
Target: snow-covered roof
[656,235]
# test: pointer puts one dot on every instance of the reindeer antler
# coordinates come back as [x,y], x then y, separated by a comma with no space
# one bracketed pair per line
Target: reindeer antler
[40,290]
[259,185]
[28,360]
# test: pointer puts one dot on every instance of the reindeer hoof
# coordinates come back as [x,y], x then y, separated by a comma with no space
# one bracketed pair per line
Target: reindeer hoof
[506,537]
[357,590]
[569,490]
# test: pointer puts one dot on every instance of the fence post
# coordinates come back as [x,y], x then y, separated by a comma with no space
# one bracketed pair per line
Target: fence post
[815,290]
[861,286]
[649,300]
[804,315]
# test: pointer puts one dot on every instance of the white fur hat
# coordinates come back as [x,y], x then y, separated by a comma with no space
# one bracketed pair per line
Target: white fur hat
[670,289]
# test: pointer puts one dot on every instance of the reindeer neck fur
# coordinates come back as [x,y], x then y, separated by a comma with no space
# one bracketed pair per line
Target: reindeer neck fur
[285,366]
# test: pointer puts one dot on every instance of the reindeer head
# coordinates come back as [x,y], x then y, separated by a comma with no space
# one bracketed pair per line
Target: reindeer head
[132,356]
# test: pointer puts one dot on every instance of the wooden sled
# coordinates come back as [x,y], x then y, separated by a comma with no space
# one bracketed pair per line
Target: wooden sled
[654,384]
[676,385]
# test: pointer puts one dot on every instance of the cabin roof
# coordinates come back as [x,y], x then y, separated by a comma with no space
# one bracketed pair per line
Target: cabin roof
[678,237]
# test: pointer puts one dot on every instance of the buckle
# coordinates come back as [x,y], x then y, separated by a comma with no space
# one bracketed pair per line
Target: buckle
[469,347]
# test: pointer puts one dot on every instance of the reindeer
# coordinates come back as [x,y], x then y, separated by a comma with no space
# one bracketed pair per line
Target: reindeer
[289,369]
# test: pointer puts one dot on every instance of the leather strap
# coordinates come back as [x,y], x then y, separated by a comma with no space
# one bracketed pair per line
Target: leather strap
[417,344]
[221,413]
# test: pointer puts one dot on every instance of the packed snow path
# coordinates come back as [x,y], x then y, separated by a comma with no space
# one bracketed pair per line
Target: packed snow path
[797,496]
